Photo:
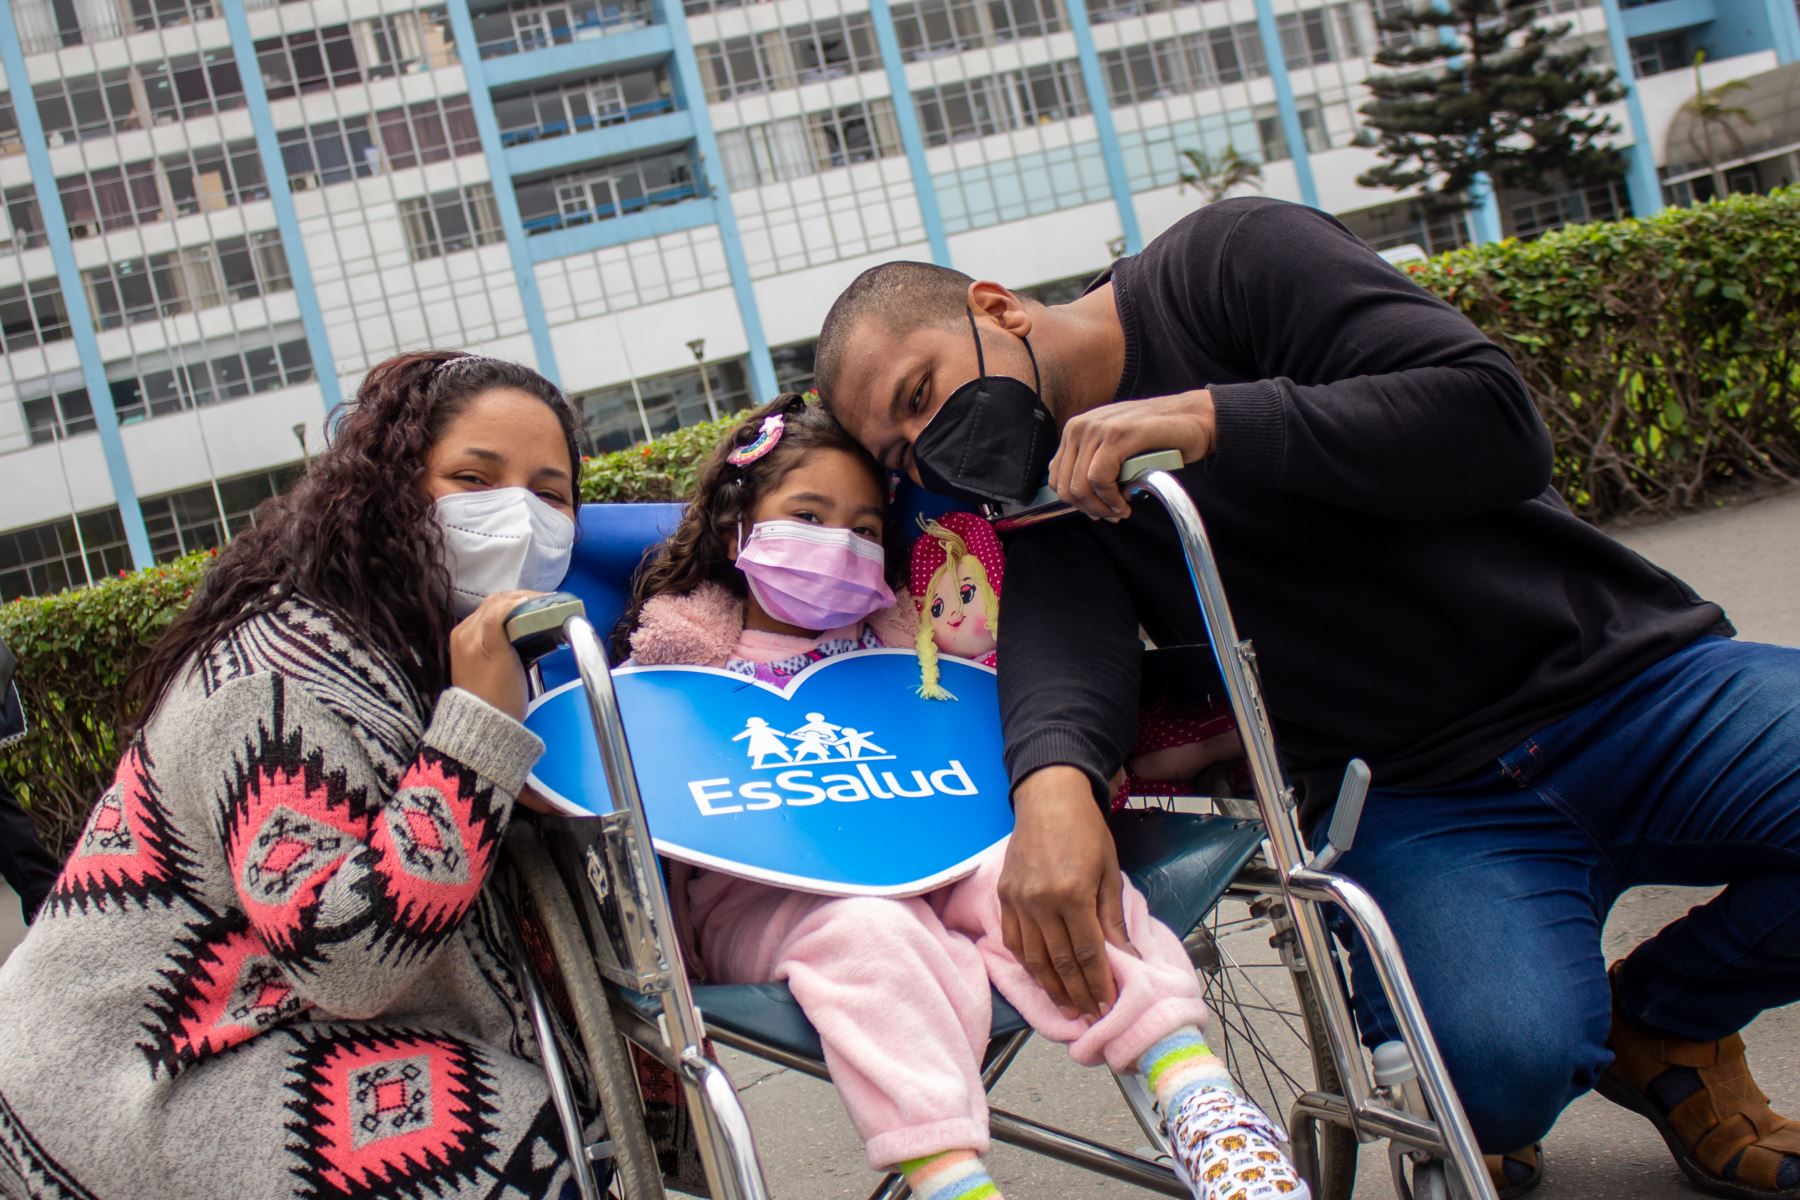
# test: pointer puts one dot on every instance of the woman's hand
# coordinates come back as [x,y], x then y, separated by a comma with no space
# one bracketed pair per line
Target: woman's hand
[483,662]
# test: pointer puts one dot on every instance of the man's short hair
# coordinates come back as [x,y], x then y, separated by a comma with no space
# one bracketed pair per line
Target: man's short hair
[903,296]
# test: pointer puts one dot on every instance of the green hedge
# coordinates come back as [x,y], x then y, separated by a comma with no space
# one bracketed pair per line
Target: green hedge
[1664,354]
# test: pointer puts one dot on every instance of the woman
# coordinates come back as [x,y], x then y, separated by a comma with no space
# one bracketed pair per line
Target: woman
[273,964]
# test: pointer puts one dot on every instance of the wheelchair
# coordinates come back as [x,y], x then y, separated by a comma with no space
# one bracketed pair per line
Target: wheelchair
[1232,874]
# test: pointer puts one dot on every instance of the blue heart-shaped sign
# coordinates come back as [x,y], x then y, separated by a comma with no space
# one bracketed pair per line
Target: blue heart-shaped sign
[847,783]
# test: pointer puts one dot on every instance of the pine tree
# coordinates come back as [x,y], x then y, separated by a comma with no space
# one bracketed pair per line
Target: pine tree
[1481,86]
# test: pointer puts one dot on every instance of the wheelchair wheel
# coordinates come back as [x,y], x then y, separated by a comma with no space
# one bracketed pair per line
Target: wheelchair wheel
[1267,1022]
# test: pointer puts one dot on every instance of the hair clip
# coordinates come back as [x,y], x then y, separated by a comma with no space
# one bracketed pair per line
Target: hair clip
[765,440]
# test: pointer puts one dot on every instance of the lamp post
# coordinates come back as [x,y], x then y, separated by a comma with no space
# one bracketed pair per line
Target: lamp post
[300,436]
[698,346]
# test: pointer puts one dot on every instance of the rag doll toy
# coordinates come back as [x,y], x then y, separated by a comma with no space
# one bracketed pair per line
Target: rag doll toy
[957,571]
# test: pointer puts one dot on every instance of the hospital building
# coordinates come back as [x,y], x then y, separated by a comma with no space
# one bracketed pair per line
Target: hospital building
[215,215]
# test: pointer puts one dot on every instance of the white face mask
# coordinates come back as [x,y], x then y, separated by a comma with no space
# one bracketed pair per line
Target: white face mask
[502,540]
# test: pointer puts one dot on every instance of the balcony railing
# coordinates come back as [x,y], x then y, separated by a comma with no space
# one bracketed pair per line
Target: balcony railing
[564,26]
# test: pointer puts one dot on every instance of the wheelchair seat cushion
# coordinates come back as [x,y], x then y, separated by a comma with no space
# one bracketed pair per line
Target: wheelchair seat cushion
[1182,862]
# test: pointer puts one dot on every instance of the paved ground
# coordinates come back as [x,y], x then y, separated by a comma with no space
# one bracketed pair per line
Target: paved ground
[1746,558]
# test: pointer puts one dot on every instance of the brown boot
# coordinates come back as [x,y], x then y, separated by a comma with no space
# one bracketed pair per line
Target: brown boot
[1517,1172]
[1701,1098]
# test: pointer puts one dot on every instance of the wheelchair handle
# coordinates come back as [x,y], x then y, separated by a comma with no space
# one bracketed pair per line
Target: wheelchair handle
[535,627]
[1048,506]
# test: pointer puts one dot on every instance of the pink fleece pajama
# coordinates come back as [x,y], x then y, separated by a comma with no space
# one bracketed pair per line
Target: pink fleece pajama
[897,988]
[898,991]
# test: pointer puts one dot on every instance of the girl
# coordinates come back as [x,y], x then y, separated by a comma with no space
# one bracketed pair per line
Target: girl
[272,965]
[778,562]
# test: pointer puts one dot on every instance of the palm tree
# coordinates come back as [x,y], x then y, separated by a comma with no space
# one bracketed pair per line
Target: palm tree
[1216,176]
[1712,113]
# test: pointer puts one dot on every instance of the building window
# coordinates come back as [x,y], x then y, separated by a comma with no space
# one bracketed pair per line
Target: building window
[128,290]
[195,85]
[1150,70]
[160,14]
[931,28]
[1306,39]
[532,25]
[215,178]
[1664,52]
[48,417]
[1237,53]
[1105,11]
[85,106]
[427,132]
[43,559]
[1011,100]
[786,58]
[33,314]
[111,198]
[154,385]
[583,105]
[311,60]
[796,146]
[182,522]
[794,365]
[1274,135]
[348,148]
[450,221]
[23,217]
[50,24]
[1540,214]
[626,413]
[10,141]
[602,193]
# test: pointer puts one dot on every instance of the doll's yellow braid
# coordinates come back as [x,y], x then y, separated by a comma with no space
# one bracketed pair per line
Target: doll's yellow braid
[925,643]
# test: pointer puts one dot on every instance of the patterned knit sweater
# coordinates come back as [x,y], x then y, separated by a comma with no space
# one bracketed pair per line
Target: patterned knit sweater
[272,965]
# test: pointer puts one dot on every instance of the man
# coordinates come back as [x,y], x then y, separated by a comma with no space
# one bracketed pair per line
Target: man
[26,866]
[1550,718]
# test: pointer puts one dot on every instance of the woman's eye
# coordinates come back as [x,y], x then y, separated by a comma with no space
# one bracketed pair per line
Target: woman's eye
[865,531]
[477,480]
[807,515]
[968,592]
[937,607]
[918,397]
[555,498]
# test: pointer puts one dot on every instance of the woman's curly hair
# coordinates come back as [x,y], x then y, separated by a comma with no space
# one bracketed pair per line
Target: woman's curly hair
[357,535]
[724,495]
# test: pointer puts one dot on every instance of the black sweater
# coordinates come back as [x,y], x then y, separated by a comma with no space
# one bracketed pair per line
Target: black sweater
[1379,503]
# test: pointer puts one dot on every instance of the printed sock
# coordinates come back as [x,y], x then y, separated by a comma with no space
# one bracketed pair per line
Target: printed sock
[1180,1063]
[1222,1143]
[952,1175]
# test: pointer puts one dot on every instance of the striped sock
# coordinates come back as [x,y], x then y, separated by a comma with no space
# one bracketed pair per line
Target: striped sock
[1179,1064]
[952,1175]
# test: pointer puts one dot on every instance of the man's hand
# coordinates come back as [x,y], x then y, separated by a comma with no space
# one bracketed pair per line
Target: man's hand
[1095,445]
[1061,895]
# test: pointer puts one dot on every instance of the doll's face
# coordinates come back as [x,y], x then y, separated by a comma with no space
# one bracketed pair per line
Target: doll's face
[958,610]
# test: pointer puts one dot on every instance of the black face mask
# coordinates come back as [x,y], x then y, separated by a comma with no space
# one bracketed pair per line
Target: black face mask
[992,441]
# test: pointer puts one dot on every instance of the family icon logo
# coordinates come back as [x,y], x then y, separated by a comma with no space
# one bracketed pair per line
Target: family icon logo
[816,741]
[845,782]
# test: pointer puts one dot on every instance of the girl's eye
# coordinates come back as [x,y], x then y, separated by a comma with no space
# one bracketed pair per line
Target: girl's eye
[918,397]
[968,593]
[937,607]
[865,531]
[807,515]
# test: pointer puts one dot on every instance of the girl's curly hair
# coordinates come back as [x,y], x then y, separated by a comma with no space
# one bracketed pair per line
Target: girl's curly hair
[699,550]
[357,535]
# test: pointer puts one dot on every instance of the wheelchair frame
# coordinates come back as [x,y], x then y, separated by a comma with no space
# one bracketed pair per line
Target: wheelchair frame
[630,942]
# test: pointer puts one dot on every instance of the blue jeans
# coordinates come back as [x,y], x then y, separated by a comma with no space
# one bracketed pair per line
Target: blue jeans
[1497,885]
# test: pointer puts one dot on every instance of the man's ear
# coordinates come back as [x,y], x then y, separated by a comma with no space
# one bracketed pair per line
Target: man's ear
[1000,305]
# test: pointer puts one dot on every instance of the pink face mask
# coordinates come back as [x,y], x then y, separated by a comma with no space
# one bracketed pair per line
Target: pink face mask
[811,576]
